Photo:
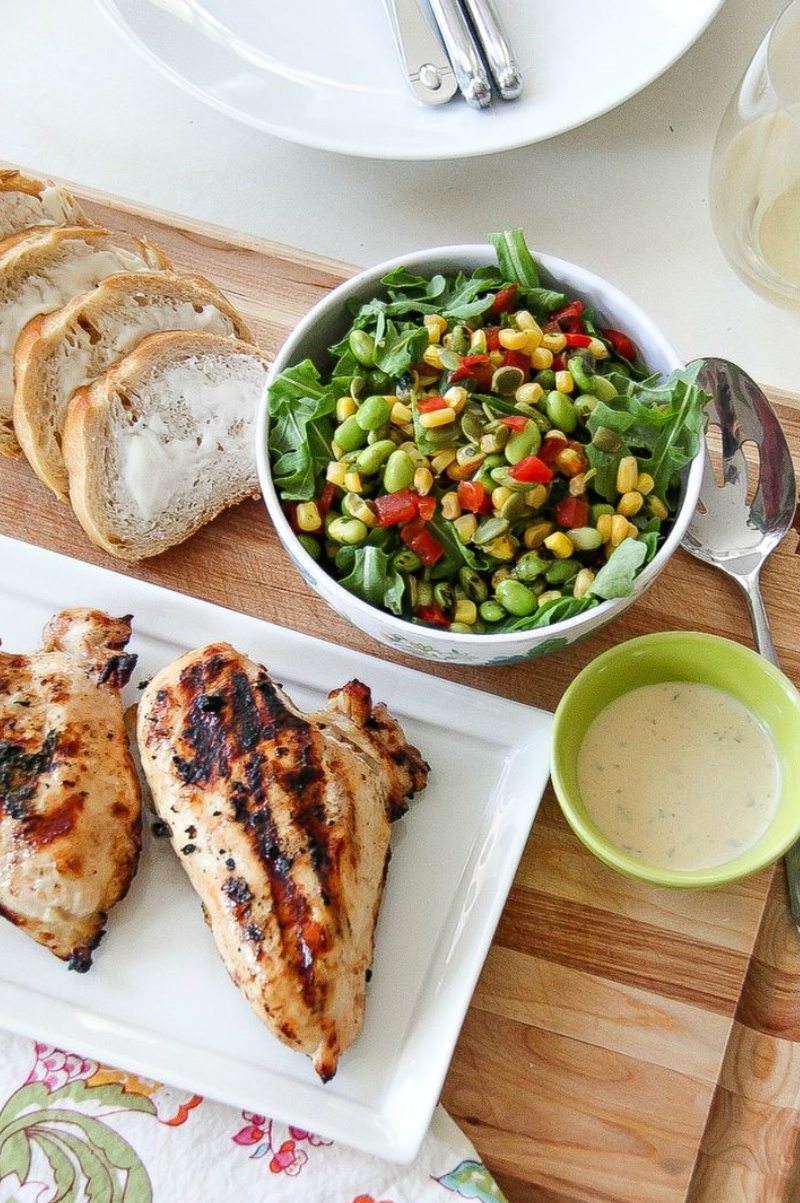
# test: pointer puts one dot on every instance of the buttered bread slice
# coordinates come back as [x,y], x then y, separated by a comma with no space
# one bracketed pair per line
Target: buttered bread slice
[61,351]
[26,202]
[40,271]
[163,441]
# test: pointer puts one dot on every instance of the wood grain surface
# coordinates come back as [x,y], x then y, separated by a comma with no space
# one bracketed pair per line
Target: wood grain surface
[625,1044]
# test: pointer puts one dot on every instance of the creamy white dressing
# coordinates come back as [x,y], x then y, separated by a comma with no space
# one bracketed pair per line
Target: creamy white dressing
[679,775]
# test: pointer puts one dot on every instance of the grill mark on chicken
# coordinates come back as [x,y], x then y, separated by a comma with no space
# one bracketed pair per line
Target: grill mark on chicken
[21,772]
[117,670]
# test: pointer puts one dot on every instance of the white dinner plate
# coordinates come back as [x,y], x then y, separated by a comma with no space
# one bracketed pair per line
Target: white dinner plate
[158,1000]
[327,75]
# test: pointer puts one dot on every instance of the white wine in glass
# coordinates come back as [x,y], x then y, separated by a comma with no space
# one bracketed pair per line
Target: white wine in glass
[755,172]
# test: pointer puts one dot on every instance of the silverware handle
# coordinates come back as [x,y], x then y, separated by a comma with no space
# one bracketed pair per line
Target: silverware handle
[463,53]
[495,45]
[427,70]
[763,638]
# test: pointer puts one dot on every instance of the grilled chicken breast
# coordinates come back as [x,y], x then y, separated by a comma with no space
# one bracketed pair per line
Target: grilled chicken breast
[282,822]
[70,805]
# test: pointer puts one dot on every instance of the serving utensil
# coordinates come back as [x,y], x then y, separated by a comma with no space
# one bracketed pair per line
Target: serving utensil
[731,534]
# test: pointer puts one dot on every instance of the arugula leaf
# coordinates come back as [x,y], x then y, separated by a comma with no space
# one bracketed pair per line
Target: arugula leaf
[301,430]
[517,266]
[374,580]
[615,578]
[400,347]
[554,611]
[456,553]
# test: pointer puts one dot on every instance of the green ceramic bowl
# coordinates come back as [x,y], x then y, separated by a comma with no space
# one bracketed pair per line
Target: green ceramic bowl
[681,656]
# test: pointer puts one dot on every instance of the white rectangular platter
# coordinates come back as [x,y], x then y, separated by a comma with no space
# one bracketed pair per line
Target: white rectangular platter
[158,1001]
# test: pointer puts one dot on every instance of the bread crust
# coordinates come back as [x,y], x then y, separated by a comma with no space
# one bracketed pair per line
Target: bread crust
[56,205]
[86,434]
[99,317]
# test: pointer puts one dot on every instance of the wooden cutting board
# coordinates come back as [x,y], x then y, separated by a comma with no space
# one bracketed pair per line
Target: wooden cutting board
[625,1044]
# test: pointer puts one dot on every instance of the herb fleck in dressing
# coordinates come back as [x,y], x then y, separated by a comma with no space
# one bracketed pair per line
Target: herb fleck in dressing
[679,775]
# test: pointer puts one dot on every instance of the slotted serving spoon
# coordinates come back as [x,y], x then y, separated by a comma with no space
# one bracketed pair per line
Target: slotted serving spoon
[736,536]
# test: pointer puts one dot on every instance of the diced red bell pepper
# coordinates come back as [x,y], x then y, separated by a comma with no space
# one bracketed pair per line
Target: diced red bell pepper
[478,367]
[515,422]
[426,507]
[624,346]
[504,300]
[290,510]
[416,536]
[518,359]
[578,340]
[427,405]
[433,614]
[326,498]
[550,449]
[492,338]
[531,470]
[395,507]
[569,318]
[571,512]
[558,363]
[472,496]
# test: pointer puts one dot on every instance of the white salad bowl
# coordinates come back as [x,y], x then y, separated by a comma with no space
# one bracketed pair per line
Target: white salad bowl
[329,320]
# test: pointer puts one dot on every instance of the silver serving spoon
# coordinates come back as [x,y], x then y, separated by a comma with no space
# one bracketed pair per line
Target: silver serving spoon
[730,534]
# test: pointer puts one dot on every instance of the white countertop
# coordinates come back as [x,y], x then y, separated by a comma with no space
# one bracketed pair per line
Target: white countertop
[625,195]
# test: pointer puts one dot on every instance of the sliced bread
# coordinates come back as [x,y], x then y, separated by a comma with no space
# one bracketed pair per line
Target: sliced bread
[41,271]
[58,352]
[163,441]
[26,202]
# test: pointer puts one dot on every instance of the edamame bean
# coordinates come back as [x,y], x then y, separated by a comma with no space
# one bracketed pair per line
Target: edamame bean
[561,411]
[363,347]
[516,598]
[547,378]
[406,560]
[600,507]
[373,457]
[588,381]
[373,412]
[561,571]
[585,538]
[399,471]
[444,596]
[350,436]
[460,628]
[584,404]
[349,531]
[311,545]
[529,566]
[523,442]
[491,611]
[473,584]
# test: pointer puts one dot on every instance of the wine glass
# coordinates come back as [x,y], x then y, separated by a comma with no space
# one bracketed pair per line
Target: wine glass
[755,171]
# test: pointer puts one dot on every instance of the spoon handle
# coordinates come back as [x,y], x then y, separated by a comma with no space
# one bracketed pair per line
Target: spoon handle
[763,638]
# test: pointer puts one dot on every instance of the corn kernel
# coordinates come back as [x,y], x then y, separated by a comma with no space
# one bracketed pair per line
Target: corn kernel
[630,503]
[645,483]
[513,340]
[500,496]
[656,507]
[466,611]
[470,456]
[553,443]
[603,525]
[443,459]
[570,462]
[436,418]
[620,529]
[541,359]
[336,472]
[451,506]
[338,451]
[582,582]
[477,342]
[537,496]
[560,544]
[627,473]
[501,548]
[496,358]
[423,481]
[308,516]
[435,325]
[465,527]
[598,349]
[413,452]
[548,595]
[345,408]
[554,341]
[526,321]
[457,471]
[535,533]
[359,508]
[456,398]
[401,414]
[530,393]
[352,482]
[564,382]
[432,356]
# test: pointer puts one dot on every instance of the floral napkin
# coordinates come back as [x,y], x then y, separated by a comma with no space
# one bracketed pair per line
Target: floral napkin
[75,1131]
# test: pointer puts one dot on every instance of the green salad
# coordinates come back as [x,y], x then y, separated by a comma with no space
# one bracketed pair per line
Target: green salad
[479,454]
